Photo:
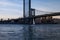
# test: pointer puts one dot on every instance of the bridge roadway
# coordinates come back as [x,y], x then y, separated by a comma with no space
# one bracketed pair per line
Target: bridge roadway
[46,15]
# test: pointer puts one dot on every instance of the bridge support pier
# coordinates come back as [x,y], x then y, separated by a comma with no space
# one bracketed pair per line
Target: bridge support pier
[49,19]
[45,19]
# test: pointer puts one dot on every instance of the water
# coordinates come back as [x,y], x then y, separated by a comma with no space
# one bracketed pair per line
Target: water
[30,32]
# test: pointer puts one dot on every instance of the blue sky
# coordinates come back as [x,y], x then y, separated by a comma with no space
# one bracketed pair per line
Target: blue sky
[11,8]
[14,8]
[46,5]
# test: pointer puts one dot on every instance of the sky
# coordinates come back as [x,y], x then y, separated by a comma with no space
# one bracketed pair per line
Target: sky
[11,9]
[14,8]
[46,5]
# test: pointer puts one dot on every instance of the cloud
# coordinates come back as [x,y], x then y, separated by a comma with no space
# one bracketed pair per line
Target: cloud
[48,5]
[10,12]
[9,4]
[10,9]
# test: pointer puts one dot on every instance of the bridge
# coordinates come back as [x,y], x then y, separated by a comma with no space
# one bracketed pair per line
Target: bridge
[51,14]
[30,14]
[30,17]
[33,15]
[42,18]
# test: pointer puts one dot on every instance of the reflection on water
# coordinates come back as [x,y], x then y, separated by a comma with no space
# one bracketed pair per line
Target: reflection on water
[30,32]
[11,32]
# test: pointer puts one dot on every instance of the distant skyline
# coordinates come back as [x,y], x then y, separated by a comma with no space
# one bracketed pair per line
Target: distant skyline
[14,8]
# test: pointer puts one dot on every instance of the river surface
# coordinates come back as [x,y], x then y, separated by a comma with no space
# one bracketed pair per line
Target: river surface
[29,32]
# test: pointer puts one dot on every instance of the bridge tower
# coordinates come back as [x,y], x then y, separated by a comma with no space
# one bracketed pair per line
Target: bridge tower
[27,19]
[27,11]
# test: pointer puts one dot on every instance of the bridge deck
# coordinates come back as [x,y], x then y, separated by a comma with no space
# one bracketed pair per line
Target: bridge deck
[52,14]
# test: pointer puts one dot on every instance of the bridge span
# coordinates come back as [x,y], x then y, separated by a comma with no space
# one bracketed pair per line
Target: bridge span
[30,14]
[46,17]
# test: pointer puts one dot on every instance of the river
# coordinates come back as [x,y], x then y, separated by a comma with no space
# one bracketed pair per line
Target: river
[29,32]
